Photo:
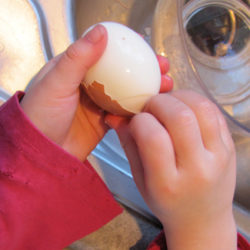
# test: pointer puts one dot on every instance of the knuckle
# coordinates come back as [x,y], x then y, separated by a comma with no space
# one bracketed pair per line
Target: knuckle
[155,101]
[224,158]
[53,61]
[203,172]
[231,148]
[71,53]
[170,190]
[186,117]
[205,177]
[207,108]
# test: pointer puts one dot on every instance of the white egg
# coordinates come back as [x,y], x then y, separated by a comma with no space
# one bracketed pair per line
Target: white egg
[127,75]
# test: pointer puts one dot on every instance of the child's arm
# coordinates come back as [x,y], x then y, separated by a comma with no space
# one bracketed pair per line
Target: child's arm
[183,161]
[48,198]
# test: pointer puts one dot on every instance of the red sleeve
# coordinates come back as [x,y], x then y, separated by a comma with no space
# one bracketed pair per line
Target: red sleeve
[160,243]
[243,244]
[48,198]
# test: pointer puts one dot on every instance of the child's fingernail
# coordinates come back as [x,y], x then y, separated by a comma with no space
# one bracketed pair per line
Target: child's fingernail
[163,63]
[109,120]
[95,34]
[113,121]
[167,84]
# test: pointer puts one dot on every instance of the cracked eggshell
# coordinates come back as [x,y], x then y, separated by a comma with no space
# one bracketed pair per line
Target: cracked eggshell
[126,76]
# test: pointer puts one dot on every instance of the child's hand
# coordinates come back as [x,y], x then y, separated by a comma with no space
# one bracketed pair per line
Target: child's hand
[183,161]
[56,104]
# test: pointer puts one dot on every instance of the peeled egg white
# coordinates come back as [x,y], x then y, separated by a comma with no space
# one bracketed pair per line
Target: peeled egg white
[127,75]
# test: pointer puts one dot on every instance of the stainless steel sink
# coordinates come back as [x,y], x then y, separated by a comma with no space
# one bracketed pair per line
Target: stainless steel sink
[33,31]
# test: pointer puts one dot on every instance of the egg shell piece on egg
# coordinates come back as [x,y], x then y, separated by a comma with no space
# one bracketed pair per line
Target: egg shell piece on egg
[128,69]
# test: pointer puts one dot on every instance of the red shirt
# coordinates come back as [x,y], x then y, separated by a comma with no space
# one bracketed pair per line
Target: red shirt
[48,198]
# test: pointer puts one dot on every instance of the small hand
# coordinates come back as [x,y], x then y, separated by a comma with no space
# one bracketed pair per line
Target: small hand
[183,161]
[58,106]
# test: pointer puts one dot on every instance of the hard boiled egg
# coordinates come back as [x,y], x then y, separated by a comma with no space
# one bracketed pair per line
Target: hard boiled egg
[127,75]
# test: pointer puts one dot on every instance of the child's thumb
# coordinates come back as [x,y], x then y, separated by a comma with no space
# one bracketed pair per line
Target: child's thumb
[70,69]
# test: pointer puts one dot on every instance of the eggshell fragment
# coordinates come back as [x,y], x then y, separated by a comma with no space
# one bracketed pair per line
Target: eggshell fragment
[127,75]
[96,92]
